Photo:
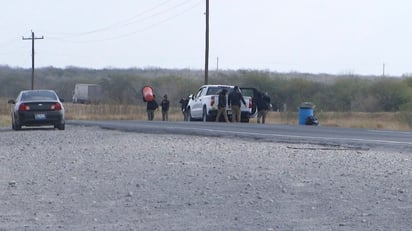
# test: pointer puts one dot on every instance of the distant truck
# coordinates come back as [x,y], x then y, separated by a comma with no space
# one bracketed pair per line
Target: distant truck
[87,93]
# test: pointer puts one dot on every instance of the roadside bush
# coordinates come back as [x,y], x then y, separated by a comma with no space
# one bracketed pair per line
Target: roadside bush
[345,93]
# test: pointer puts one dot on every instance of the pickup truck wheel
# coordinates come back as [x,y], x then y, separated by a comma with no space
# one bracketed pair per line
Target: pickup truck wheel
[204,115]
[189,115]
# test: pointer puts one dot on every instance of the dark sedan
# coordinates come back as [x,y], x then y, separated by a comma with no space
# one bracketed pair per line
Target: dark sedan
[37,108]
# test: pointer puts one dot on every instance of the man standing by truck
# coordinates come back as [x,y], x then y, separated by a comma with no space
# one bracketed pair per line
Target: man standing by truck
[183,106]
[263,103]
[222,106]
[235,98]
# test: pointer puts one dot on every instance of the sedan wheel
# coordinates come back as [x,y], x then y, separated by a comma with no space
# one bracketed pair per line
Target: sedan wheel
[60,126]
[15,126]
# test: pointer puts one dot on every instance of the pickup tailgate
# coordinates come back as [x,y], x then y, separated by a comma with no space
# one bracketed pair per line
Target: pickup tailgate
[249,94]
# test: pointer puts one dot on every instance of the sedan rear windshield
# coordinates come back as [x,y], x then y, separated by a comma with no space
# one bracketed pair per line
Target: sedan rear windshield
[38,95]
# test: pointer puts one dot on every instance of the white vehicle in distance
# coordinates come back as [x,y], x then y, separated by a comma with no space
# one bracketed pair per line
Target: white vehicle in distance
[203,104]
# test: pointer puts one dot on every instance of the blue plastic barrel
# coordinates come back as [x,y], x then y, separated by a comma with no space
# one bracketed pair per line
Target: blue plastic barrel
[305,110]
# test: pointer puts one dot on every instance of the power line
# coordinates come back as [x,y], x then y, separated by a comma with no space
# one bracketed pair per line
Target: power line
[152,17]
[32,38]
[129,34]
[118,24]
[151,13]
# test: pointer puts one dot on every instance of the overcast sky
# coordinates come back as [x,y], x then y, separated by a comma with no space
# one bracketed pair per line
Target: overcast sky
[314,36]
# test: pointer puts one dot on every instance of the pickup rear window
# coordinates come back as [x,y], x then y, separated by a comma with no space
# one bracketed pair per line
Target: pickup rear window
[248,92]
[216,90]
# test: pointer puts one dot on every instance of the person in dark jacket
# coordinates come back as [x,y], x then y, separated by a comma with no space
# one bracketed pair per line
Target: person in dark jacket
[183,105]
[222,106]
[234,100]
[165,108]
[151,107]
[263,104]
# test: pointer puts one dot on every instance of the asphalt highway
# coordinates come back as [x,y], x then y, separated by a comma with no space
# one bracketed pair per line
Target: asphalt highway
[330,136]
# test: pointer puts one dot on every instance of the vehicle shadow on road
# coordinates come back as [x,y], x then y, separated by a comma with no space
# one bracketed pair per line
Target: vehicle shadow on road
[8,129]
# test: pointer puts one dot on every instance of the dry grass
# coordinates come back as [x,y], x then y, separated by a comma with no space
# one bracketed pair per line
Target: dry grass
[114,112]
[5,119]
[379,120]
[382,120]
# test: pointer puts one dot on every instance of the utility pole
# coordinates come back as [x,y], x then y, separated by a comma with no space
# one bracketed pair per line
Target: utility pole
[383,70]
[207,44]
[217,66]
[32,38]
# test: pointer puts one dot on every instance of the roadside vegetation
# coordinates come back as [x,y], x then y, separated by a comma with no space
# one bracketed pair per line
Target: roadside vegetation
[372,120]
[347,100]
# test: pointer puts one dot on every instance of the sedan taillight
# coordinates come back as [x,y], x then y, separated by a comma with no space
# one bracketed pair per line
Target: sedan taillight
[24,107]
[56,107]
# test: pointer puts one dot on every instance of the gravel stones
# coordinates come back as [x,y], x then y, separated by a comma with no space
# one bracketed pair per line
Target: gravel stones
[86,178]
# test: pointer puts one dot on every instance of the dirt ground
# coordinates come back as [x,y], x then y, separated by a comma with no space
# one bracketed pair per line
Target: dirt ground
[93,179]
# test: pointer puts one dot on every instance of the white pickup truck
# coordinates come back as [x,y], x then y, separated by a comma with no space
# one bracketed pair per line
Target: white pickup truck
[203,104]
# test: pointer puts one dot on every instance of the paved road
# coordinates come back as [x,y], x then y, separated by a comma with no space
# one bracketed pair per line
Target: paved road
[341,137]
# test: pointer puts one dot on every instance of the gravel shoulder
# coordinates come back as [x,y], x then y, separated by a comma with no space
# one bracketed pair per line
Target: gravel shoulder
[86,178]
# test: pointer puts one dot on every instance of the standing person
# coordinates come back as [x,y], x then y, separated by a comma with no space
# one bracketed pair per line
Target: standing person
[151,107]
[235,98]
[266,99]
[183,104]
[165,108]
[222,105]
[262,103]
